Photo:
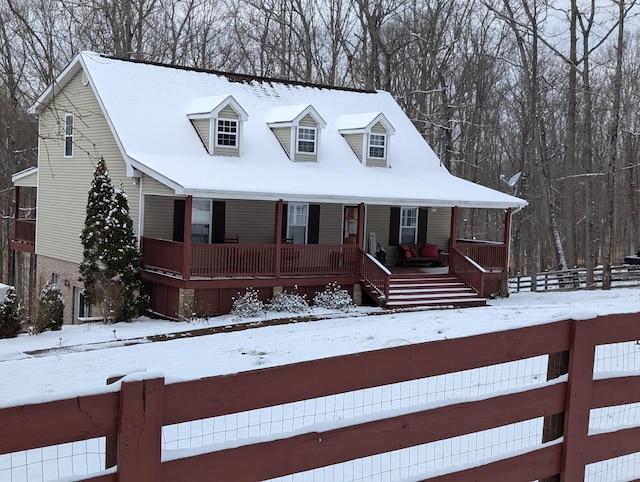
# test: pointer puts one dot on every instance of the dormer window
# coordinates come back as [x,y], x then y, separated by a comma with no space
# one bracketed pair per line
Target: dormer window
[227,133]
[377,146]
[218,123]
[297,128]
[368,136]
[307,140]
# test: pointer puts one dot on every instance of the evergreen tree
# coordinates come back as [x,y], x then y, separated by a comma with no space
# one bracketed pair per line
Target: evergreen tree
[111,265]
[123,260]
[10,315]
[99,204]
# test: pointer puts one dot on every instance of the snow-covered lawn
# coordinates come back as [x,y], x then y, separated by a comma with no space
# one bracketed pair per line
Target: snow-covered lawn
[79,359]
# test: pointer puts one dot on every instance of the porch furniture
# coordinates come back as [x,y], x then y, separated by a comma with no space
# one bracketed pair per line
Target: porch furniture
[232,239]
[427,254]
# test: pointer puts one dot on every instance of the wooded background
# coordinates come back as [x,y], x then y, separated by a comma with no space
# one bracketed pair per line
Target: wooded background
[549,89]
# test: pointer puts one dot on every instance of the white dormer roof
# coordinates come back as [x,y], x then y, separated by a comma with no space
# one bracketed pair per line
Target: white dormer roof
[360,123]
[291,115]
[204,107]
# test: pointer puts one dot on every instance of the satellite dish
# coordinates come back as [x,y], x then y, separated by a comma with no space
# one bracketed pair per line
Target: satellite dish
[512,181]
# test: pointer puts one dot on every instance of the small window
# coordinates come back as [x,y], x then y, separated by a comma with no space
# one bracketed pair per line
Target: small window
[307,140]
[408,225]
[55,279]
[68,135]
[227,133]
[297,222]
[377,145]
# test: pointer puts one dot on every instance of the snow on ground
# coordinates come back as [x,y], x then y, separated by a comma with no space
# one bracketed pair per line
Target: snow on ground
[82,357]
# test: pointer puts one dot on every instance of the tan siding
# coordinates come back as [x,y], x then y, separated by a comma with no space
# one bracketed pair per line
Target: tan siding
[378,222]
[439,227]
[330,224]
[308,121]
[158,217]
[307,157]
[376,162]
[151,186]
[378,128]
[283,135]
[252,221]
[227,151]
[64,183]
[228,112]
[356,142]
[202,128]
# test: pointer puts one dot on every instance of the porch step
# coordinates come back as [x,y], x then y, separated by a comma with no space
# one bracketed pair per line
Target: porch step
[430,290]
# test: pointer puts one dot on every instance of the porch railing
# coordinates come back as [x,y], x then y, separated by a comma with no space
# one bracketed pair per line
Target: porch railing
[467,270]
[481,265]
[491,256]
[376,278]
[215,260]
[24,231]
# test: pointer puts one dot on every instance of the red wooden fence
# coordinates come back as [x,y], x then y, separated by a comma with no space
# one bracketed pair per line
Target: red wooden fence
[138,412]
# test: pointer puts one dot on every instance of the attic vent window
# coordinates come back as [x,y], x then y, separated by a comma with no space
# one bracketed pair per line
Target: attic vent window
[377,143]
[227,133]
[68,135]
[307,140]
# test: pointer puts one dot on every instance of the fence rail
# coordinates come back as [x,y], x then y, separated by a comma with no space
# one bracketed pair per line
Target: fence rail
[574,279]
[137,413]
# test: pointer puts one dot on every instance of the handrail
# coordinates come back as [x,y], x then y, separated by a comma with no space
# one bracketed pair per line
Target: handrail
[375,276]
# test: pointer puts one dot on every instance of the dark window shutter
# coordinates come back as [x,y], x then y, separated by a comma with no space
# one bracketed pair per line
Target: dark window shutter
[394,226]
[313,228]
[422,225]
[178,220]
[285,221]
[218,222]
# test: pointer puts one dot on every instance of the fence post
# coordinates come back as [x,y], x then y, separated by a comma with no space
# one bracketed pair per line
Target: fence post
[111,442]
[578,403]
[140,430]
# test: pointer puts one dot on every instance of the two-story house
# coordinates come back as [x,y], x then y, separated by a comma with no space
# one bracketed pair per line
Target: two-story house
[237,181]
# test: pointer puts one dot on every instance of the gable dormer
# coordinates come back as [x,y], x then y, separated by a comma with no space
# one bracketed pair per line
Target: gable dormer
[368,136]
[218,122]
[297,128]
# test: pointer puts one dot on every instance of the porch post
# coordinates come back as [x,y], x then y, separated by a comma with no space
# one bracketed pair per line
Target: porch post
[278,235]
[186,240]
[507,239]
[360,235]
[16,207]
[454,228]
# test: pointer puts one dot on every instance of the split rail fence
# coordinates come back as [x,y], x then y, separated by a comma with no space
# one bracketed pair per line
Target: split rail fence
[134,416]
[575,279]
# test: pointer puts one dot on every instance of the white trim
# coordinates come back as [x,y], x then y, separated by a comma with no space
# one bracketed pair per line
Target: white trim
[384,145]
[68,136]
[415,227]
[236,134]
[314,141]
[306,224]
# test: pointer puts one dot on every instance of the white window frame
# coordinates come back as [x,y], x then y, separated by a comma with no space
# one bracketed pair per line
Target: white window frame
[297,216]
[68,134]
[313,142]
[219,131]
[379,143]
[194,202]
[404,217]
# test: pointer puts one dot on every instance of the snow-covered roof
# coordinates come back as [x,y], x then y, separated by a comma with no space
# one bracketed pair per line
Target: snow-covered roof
[26,178]
[147,105]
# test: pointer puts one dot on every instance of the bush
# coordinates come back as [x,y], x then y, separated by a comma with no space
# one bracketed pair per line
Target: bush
[333,298]
[291,302]
[50,311]
[10,309]
[247,305]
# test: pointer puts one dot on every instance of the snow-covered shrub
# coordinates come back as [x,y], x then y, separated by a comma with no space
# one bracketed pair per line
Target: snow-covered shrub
[333,298]
[50,310]
[291,302]
[247,305]
[10,310]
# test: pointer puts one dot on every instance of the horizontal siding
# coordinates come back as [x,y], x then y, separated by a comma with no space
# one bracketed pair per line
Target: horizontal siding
[64,183]
[252,221]
[378,128]
[439,227]
[153,187]
[158,217]
[228,112]
[308,121]
[376,162]
[356,142]
[283,134]
[28,181]
[202,128]
[378,222]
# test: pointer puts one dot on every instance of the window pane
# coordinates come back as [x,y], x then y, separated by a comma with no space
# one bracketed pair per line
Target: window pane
[297,223]
[408,225]
[227,133]
[306,140]
[68,135]
[200,220]
[376,145]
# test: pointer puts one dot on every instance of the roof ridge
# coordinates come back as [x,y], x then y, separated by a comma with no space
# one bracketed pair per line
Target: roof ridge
[237,77]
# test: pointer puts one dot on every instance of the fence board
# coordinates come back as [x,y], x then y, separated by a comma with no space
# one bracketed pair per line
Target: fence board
[609,392]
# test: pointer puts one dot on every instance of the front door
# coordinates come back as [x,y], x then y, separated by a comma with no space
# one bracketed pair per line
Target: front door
[350,227]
